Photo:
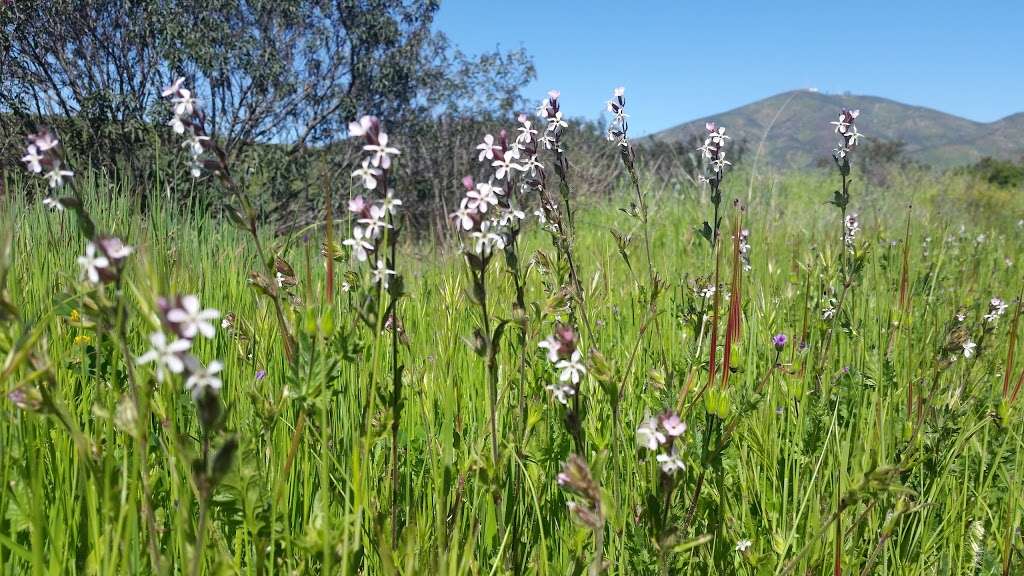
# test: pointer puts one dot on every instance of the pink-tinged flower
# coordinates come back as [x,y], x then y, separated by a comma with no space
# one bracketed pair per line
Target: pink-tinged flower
[44,141]
[367,126]
[561,344]
[358,205]
[465,217]
[33,159]
[166,355]
[359,243]
[203,378]
[552,345]
[368,174]
[114,249]
[846,120]
[487,148]
[714,141]
[648,434]
[549,106]
[847,129]
[93,263]
[673,425]
[382,153]
[484,195]
[174,87]
[192,319]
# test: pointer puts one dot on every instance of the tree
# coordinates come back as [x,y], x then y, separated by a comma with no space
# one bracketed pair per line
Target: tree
[267,71]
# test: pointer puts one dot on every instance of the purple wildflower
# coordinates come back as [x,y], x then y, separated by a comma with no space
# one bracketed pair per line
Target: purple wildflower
[779,340]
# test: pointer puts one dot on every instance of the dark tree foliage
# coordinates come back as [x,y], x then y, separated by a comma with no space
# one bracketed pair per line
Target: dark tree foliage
[1001,173]
[276,78]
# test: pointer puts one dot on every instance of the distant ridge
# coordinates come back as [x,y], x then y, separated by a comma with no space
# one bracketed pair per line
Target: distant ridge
[801,135]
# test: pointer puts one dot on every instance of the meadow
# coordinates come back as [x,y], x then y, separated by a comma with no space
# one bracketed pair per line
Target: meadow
[781,391]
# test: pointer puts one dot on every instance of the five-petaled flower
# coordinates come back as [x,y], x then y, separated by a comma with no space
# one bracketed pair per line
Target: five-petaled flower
[381,273]
[487,148]
[192,319]
[484,195]
[94,263]
[969,348]
[571,369]
[382,153]
[56,175]
[368,174]
[204,378]
[670,461]
[649,435]
[359,243]
[166,355]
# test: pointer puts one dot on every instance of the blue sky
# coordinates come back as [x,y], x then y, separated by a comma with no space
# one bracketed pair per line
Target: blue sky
[685,59]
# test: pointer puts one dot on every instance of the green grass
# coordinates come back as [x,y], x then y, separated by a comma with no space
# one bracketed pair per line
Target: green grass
[829,430]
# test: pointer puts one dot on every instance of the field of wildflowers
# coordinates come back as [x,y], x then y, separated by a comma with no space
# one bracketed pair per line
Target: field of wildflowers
[762,374]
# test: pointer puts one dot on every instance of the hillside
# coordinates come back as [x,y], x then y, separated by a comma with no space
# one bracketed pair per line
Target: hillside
[801,134]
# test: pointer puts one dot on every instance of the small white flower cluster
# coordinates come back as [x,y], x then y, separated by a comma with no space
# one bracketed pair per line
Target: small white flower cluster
[562,351]
[186,319]
[704,291]
[851,226]
[42,156]
[847,129]
[550,110]
[372,216]
[488,212]
[658,434]
[745,249]
[996,308]
[186,119]
[618,128]
[713,150]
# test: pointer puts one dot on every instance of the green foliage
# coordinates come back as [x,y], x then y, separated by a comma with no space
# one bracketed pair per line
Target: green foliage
[1000,173]
[817,446]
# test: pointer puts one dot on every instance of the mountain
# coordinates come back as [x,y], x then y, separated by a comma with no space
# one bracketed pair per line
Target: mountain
[801,134]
